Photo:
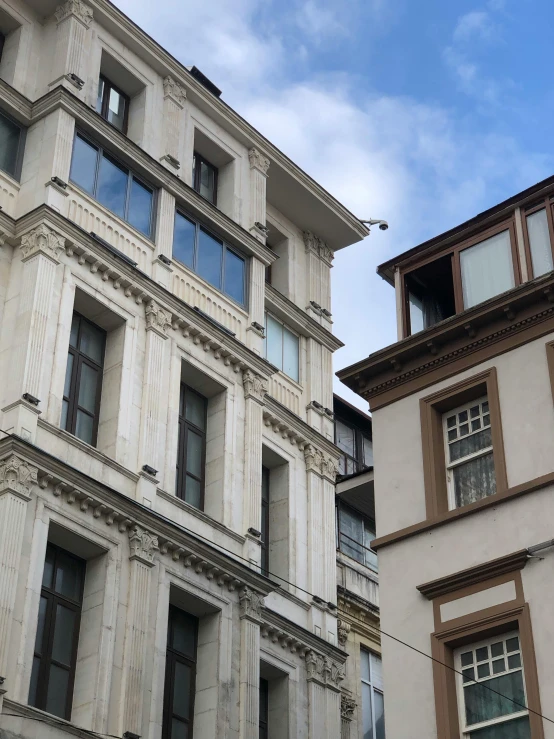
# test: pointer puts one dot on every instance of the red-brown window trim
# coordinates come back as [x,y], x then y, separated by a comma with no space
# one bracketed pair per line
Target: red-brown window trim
[432,409]
[544,204]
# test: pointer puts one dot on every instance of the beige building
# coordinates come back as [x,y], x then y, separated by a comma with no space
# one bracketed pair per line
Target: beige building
[463,413]
[167,460]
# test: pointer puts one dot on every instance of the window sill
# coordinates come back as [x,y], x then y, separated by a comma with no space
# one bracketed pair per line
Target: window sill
[365,570]
[283,376]
[24,711]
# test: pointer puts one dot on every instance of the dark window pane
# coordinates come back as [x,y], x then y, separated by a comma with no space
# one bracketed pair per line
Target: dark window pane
[140,207]
[179,729]
[112,186]
[379,707]
[69,576]
[517,729]
[194,453]
[9,145]
[116,109]
[83,165]
[68,371]
[483,704]
[64,629]
[34,682]
[351,535]
[234,276]
[183,240]
[40,626]
[183,632]
[210,253]
[48,572]
[345,438]
[474,480]
[84,427]
[207,182]
[181,690]
[100,96]
[88,385]
[192,491]
[195,409]
[74,335]
[512,645]
[92,341]
[467,658]
[56,697]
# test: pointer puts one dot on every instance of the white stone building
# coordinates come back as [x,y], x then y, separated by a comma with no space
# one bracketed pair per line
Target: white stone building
[167,465]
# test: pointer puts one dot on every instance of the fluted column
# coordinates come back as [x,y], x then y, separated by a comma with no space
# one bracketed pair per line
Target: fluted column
[255,389]
[175,96]
[249,701]
[347,708]
[143,547]
[255,331]
[324,677]
[73,19]
[17,479]
[165,226]
[259,164]
[319,260]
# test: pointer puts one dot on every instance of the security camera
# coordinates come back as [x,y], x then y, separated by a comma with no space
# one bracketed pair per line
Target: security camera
[383,225]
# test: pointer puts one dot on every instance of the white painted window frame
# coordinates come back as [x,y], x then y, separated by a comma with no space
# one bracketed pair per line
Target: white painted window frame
[291,331]
[373,688]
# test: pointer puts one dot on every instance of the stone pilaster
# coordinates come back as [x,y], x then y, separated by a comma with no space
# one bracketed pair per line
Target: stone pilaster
[257,305]
[143,547]
[73,20]
[259,164]
[155,391]
[319,260]
[165,227]
[347,708]
[255,389]
[324,678]
[175,97]
[17,479]
[251,604]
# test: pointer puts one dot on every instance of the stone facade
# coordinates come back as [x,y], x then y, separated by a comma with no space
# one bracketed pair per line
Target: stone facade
[114,503]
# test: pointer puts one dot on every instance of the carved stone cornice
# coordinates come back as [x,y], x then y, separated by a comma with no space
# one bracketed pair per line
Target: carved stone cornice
[76,8]
[17,477]
[324,671]
[320,463]
[175,91]
[143,545]
[258,161]
[318,247]
[158,319]
[251,604]
[343,629]
[347,707]
[42,240]
[255,386]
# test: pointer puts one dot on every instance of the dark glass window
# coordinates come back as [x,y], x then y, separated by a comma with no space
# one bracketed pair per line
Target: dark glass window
[209,257]
[83,379]
[264,708]
[55,654]
[112,104]
[357,448]
[355,534]
[191,452]
[264,539]
[112,184]
[11,145]
[180,675]
[204,178]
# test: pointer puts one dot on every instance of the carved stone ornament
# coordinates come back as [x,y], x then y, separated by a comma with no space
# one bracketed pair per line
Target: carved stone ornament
[42,239]
[258,161]
[347,707]
[343,629]
[317,462]
[255,386]
[16,476]
[77,8]
[175,91]
[251,604]
[318,247]
[158,318]
[143,545]
[323,670]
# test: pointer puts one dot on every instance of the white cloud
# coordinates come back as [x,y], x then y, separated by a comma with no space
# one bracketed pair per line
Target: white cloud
[318,21]
[476,23]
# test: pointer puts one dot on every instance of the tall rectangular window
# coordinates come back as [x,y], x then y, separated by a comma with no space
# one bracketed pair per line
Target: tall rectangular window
[487,269]
[282,347]
[57,636]
[469,453]
[539,242]
[373,711]
[191,452]
[83,379]
[112,104]
[180,675]
[357,448]
[11,146]
[264,539]
[355,534]
[491,690]
[204,178]
[111,183]
[264,709]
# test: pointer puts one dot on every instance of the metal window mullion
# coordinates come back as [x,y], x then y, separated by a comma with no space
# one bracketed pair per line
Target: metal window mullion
[495,721]
[469,457]
[47,638]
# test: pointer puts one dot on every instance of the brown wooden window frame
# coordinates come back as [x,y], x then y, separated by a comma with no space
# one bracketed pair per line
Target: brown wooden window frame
[454,252]
[54,599]
[265,527]
[109,85]
[546,204]
[197,173]
[173,655]
[432,409]
[79,358]
[264,709]
[184,426]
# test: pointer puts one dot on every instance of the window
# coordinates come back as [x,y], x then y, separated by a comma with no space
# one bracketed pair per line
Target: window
[487,269]
[491,691]
[469,462]
[264,539]
[356,446]
[538,237]
[373,711]
[180,674]
[191,453]
[11,146]
[282,347]
[209,257]
[264,709]
[355,534]
[83,379]
[112,184]
[112,104]
[57,636]
[204,178]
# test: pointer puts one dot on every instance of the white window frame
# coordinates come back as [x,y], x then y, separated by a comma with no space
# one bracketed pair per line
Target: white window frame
[469,457]
[373,688]
[289,329]
[464,728]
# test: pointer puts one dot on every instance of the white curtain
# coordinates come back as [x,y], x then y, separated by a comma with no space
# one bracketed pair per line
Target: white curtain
[539,240]
[487,269]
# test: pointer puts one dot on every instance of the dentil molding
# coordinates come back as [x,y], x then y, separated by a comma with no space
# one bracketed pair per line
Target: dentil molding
[175,91]
[77,8]
[258,161]
[18,477]
[42,240]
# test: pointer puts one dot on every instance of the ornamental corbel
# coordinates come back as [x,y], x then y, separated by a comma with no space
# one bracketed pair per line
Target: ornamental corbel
[347,707]
[42,240]
[343,629]
[17,477]
[251,604]
[158,319]
[258,161]
[143,545]
[175,91]
[76,8]
[255,386]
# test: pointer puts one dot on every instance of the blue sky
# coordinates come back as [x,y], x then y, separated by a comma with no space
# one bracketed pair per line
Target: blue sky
[422,112]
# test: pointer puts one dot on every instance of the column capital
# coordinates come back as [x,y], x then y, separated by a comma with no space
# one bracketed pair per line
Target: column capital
[324,671]
[318,247]
[42,240]
[17,477]
[157,319]
[76,8]
[258,161]
[347,707]
[255,386]
[175,91]
[251,604]
[143,545]
[317,462]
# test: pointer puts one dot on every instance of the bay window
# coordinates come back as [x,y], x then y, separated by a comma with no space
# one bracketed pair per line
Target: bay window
[357,448]
[373,710]
[282,347]
[111,183]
